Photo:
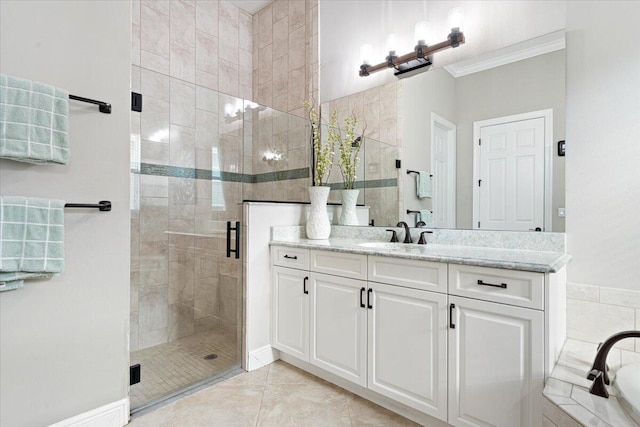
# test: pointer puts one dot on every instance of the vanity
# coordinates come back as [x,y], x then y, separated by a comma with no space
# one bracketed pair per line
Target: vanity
[460,333]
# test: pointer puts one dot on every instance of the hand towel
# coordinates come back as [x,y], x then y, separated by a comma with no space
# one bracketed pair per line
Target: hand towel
[34,122]
[423,185]
[31,240]
[426,216]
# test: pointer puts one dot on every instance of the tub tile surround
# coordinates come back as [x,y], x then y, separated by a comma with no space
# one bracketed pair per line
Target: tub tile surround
[568,389]
[596,312]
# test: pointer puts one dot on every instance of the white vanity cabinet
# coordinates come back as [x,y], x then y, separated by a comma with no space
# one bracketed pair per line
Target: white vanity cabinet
[496,350]
[468,345]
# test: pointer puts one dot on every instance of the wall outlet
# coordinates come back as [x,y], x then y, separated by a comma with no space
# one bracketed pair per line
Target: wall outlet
[561,212]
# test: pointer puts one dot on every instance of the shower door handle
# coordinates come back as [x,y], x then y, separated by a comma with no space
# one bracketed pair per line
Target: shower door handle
[237,230]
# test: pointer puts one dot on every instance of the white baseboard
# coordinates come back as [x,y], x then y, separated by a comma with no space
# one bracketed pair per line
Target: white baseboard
[114,414]
[262,357]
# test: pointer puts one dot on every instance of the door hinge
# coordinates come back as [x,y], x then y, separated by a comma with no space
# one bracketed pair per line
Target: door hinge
[136,102]
[134,374]
[479,141]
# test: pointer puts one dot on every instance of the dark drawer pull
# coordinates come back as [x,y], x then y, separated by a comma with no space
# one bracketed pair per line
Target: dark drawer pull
[291,257]
[501,285]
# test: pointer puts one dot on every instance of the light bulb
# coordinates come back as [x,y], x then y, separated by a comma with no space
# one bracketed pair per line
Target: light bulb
[366,52]
[456,18]
[421,32]
[392,42]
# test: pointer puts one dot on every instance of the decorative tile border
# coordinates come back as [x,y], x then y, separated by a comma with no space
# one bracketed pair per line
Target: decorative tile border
[300,173]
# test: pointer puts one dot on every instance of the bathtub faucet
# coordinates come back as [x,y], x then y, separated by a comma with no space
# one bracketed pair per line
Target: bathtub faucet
[598,371]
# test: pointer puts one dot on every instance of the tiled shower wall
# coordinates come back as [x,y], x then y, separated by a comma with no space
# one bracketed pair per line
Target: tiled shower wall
[183,52]
[286,47]
[377,113]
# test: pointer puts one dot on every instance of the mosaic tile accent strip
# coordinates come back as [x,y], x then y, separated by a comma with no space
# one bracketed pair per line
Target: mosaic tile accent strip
[183,172]
[374,183]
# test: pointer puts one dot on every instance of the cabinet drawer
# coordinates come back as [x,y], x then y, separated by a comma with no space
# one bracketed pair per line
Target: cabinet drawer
[520,288]
[291,257]
[342,264]
[425,275]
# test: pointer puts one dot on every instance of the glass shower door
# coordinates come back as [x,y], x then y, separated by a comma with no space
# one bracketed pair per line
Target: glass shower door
[186,294]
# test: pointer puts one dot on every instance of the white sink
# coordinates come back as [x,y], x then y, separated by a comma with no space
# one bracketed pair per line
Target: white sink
[382,245]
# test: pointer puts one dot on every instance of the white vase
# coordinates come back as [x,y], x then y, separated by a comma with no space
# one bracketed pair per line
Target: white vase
[348,215]
[318,225]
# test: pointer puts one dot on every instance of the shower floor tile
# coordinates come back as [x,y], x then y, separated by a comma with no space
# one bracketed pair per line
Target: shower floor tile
[167,368]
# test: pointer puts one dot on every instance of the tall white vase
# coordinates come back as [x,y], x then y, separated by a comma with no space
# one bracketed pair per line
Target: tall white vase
[348,215]
[318,225]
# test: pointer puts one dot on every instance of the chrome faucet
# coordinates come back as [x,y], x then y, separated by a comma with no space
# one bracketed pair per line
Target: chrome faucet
[598,371]
[407,232]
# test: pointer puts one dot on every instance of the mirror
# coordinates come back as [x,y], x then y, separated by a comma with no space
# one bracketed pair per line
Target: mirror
[433,122]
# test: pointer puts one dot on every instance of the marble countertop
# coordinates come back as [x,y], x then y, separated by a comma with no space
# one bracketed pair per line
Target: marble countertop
[568,387]
[511,259]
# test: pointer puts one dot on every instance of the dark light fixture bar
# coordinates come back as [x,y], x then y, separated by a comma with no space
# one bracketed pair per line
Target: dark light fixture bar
[419,58]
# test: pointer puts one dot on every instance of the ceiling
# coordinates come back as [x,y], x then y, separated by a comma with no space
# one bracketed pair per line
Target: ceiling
[250,6]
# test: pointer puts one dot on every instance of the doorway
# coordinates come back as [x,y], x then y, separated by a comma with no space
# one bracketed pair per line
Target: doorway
[512,172]
[443,166]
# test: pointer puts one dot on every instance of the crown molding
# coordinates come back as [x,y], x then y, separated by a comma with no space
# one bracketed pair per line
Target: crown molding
[528,49]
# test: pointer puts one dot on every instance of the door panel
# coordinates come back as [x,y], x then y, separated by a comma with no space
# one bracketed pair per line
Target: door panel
[511,172]
[290,325]
[339,326]
[496,370]
[407,347]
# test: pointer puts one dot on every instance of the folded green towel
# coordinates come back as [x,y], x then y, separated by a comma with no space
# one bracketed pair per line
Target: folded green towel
[34,122]
[423,185]
[426,216]
[31,240]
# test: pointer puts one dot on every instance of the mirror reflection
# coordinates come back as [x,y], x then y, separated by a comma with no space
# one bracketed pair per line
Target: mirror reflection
[481,134]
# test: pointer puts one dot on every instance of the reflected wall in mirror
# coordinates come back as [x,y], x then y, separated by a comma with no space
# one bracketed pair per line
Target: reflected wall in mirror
[429,118]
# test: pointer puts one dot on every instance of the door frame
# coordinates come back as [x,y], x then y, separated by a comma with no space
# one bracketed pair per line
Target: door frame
[452,171]
[547,115]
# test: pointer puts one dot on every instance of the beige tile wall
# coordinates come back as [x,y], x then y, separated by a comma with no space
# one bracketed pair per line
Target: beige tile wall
[285,73]
[378,113]
[596,312]
[184,53]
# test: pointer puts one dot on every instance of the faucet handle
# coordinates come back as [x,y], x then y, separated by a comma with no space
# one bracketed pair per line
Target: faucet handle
[422,240]
[420,224]
[394,236]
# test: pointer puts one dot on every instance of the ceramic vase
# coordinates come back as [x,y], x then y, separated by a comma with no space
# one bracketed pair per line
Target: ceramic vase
[348,215]
[318,225]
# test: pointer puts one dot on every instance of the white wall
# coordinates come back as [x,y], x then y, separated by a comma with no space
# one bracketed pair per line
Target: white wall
[63,342]
[489,25]
[603,143]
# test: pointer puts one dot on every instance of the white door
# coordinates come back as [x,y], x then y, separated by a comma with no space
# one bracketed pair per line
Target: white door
[290,316]
[496,365]
[443,167]
[339,326]
[511,175]
[408,347]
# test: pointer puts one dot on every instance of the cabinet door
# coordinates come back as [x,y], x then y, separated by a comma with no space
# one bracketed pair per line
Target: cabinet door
[339,326]
[496,366]
[290,312]
[408,347]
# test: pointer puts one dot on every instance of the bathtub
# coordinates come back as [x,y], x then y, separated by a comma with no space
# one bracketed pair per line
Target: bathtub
[627,383]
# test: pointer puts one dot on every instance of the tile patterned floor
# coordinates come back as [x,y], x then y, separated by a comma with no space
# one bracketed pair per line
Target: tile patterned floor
[276,395]
[167,368]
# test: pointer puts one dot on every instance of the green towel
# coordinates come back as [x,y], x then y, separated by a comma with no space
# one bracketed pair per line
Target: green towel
[34,122]
[31,240]
[426,216]
[423,185]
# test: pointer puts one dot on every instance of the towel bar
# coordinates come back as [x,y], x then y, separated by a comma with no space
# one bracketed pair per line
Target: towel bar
[104,107]
[103,205]
[409,171]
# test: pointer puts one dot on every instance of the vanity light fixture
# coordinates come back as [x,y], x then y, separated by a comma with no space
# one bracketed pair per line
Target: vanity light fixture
[422,53]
